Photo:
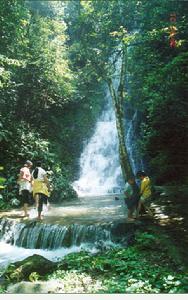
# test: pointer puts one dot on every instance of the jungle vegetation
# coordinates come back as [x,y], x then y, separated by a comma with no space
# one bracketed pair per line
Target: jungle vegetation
[56,60]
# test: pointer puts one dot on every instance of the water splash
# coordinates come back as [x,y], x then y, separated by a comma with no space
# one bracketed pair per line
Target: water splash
[10,253]
[34,235]
[20,240]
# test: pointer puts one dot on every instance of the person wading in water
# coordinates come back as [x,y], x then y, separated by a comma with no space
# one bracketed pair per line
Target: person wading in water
[25,186]
[41,187]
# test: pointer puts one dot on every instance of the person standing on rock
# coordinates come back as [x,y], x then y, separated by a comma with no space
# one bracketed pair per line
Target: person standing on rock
[145,192]
[41,187]
[131,197]
[25,185]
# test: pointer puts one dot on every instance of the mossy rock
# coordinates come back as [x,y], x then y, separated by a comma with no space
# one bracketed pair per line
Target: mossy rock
[123,231]
[22,269]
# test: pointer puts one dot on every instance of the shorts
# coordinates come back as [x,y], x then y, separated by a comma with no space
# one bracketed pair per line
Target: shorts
[131,203]
[25,197]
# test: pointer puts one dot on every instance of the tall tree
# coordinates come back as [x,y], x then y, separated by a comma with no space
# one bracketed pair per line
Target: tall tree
[97,52]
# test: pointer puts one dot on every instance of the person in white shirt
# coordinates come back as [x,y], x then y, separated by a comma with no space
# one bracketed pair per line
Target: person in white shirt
[25,185]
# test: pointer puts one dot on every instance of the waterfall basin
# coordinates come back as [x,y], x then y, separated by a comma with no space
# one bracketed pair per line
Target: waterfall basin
[85,210]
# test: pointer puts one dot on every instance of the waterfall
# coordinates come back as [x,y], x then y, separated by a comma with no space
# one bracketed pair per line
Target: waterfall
[131,139]
[34,235]
[100,171]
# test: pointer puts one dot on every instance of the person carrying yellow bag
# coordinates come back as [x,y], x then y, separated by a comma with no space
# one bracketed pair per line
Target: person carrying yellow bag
[145,192]
[40,187]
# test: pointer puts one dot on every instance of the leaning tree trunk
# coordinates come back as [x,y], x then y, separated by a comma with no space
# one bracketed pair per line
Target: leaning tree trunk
[118,99]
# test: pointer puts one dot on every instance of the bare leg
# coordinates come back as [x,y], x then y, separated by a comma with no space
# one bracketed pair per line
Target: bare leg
[36,200]
[39,216]
[25,198]
[25,207]
[48,205]
[130,214]
[138,209]
[148,210]
[39,206]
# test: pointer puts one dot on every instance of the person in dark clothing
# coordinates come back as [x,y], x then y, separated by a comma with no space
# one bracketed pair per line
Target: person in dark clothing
[41,188]
[131,197]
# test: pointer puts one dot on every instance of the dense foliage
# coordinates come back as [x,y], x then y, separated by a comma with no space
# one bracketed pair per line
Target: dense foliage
[43,113]
[159,87]
[56,61]
[156,74]
[120,271]
[56,58]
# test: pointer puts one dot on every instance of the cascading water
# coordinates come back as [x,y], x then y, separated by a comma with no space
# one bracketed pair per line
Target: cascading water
[82,225]
[100,171]
[34,235]
[131,142]
[99,163]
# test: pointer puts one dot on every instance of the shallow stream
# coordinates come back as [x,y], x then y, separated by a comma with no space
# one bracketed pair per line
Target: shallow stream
[86,224]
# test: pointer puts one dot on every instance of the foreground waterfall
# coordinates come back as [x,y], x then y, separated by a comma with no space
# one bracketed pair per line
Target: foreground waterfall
[33,235]
[89,224]
[20,240]
[99,163]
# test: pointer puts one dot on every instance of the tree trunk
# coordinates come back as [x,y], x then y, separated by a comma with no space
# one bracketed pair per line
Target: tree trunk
[118,99]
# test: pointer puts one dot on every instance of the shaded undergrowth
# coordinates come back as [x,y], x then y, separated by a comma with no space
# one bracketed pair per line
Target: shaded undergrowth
[151,265]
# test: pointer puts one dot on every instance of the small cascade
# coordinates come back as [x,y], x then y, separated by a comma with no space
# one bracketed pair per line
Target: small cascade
[33,235]
[7,227]
[92,224]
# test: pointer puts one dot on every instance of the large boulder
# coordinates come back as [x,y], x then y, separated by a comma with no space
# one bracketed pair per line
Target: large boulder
[21,270]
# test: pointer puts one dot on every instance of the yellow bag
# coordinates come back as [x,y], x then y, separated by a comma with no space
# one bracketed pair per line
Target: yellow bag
[40,187]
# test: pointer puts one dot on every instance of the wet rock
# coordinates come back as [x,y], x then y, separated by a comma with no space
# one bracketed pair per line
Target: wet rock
[122,232]
[22,269]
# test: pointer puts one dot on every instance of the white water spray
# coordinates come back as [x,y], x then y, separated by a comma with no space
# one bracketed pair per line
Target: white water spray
[99,163]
